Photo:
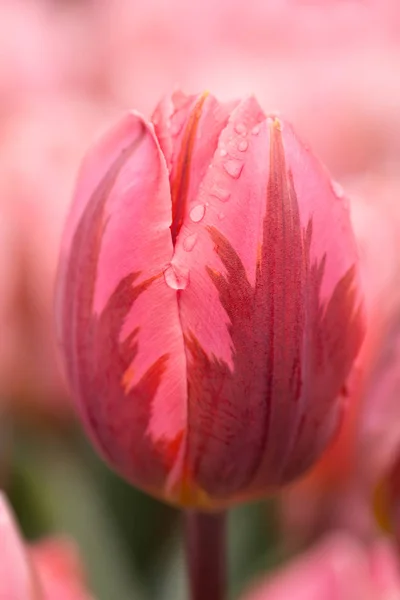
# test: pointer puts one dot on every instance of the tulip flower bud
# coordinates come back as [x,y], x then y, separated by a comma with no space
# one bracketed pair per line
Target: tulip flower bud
[208,301]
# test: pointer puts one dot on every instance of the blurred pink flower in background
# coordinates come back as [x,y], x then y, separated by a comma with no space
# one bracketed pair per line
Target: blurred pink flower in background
[38,162]
[49,108]
[48,570]
[339,568]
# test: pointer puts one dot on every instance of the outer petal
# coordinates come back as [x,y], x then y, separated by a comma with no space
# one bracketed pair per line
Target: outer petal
[59,569]
[119,322]
[334,324]
[271,317]
[17,578]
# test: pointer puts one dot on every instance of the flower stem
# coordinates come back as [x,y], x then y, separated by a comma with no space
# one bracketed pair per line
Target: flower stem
[205,535]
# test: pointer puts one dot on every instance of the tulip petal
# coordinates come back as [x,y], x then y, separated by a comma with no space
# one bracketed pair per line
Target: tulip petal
[265,310]
[335,321]
[17,578]
[58,566]
[188,128]
[337,569]
[119,314]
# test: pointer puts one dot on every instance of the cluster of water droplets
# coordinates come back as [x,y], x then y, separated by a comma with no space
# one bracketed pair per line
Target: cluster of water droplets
[178,278]
[233,166]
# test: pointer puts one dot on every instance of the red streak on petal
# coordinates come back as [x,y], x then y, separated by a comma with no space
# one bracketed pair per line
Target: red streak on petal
[169,450]
[245,431]
[85,247]
[181,179]
[127,378]
[280,278]
[98,361]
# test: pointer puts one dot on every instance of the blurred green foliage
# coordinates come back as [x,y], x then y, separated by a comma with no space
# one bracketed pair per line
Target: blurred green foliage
[131,544]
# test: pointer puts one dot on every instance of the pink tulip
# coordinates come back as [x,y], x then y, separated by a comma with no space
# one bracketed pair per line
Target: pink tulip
[18,580]
[208,301]
[60,572]
[338,569]
[46,571]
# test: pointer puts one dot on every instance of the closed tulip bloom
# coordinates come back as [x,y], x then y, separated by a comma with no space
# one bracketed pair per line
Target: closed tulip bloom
[209,308]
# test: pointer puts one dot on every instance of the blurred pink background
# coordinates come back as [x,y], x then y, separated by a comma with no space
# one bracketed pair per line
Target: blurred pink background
[68,68]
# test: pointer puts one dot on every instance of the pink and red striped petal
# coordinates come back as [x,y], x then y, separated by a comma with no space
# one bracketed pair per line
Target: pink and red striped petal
[120,325]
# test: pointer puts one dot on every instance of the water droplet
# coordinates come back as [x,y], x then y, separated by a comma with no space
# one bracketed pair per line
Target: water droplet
[221,216]
[189,242]
[233,167]
[197,213]
[220,193]
[240,129]
[337,188]
[243,145]
[223,152]
[255,130]
[176,279]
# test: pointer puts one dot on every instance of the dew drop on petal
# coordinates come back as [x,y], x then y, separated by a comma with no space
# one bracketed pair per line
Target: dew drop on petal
[243,145]
[220,193]
[240,129]
[197,213]
[233,167]
[176,279]
[189,242]
[223,152]
[255,130]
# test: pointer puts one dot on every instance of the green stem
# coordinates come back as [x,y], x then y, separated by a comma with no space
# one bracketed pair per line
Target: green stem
[206,555]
